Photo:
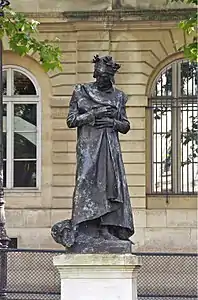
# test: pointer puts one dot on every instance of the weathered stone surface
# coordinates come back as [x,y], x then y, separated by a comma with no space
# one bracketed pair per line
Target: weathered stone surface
[98,276]
[182,218]
[155,4]
[140,218]
[156,218]
[91,5]
[168,238]
[101,246]
[61,5]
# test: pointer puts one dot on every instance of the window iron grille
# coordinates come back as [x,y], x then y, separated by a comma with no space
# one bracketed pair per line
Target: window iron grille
[173,111]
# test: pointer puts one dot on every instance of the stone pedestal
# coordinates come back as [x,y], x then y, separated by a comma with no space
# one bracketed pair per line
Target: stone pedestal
[98,276]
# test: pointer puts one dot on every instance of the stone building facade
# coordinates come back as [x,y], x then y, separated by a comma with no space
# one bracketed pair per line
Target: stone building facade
[144,38]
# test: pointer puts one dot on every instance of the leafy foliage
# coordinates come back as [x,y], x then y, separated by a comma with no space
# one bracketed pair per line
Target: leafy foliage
[21,33]
[190,27]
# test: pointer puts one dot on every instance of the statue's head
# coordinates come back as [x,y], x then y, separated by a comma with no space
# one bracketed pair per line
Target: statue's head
[104,70]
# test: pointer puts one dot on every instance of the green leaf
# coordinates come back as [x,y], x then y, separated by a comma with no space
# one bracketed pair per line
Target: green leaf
[21,34]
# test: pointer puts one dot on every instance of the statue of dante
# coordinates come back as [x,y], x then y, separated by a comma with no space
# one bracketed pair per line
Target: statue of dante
[101,203]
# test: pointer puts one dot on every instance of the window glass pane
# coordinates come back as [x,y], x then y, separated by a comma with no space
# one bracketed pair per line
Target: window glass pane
[188,78]
[25,174]
[162,144]
[4,117]
[21,158]
[4,173]
[25,117]
[163,85]
[4,145]
[189,147]
[25,145]
[23,85]
[4,83]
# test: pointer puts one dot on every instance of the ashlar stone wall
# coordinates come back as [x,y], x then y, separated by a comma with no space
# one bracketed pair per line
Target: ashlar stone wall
[142,48]
[93,5]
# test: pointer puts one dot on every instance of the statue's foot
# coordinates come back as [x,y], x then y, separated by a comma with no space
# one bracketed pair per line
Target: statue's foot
[83,237]
[107,235]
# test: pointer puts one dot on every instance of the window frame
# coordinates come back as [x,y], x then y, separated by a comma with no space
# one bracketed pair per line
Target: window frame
[10,100]
[175,120]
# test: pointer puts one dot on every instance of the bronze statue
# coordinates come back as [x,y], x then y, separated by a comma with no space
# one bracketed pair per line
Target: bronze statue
[101,215]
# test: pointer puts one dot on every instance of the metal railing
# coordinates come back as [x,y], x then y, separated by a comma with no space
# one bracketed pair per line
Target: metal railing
[32,276]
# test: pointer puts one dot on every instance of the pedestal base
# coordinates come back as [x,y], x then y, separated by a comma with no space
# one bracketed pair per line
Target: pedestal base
[98,276]
[101,246]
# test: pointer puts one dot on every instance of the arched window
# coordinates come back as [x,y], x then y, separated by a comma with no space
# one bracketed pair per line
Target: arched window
[22,128]
[174,115]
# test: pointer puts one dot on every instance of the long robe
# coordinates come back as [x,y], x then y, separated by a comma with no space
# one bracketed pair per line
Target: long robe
[101,188]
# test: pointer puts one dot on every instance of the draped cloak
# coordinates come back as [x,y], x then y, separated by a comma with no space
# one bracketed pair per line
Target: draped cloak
[101,188]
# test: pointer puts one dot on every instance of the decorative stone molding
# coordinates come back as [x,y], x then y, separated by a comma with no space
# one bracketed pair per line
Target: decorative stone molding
[117,15]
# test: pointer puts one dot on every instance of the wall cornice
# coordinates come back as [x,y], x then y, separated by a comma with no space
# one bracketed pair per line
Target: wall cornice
[114,16]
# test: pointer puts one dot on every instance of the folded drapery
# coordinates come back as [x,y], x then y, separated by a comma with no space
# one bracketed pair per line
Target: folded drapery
[101,189]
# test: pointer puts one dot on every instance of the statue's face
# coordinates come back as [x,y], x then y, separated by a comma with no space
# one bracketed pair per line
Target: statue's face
[103,80]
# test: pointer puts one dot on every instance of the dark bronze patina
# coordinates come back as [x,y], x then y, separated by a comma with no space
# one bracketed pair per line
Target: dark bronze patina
[101,216]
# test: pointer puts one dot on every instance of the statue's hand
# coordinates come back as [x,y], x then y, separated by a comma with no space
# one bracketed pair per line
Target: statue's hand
[104,123]
[102,112]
